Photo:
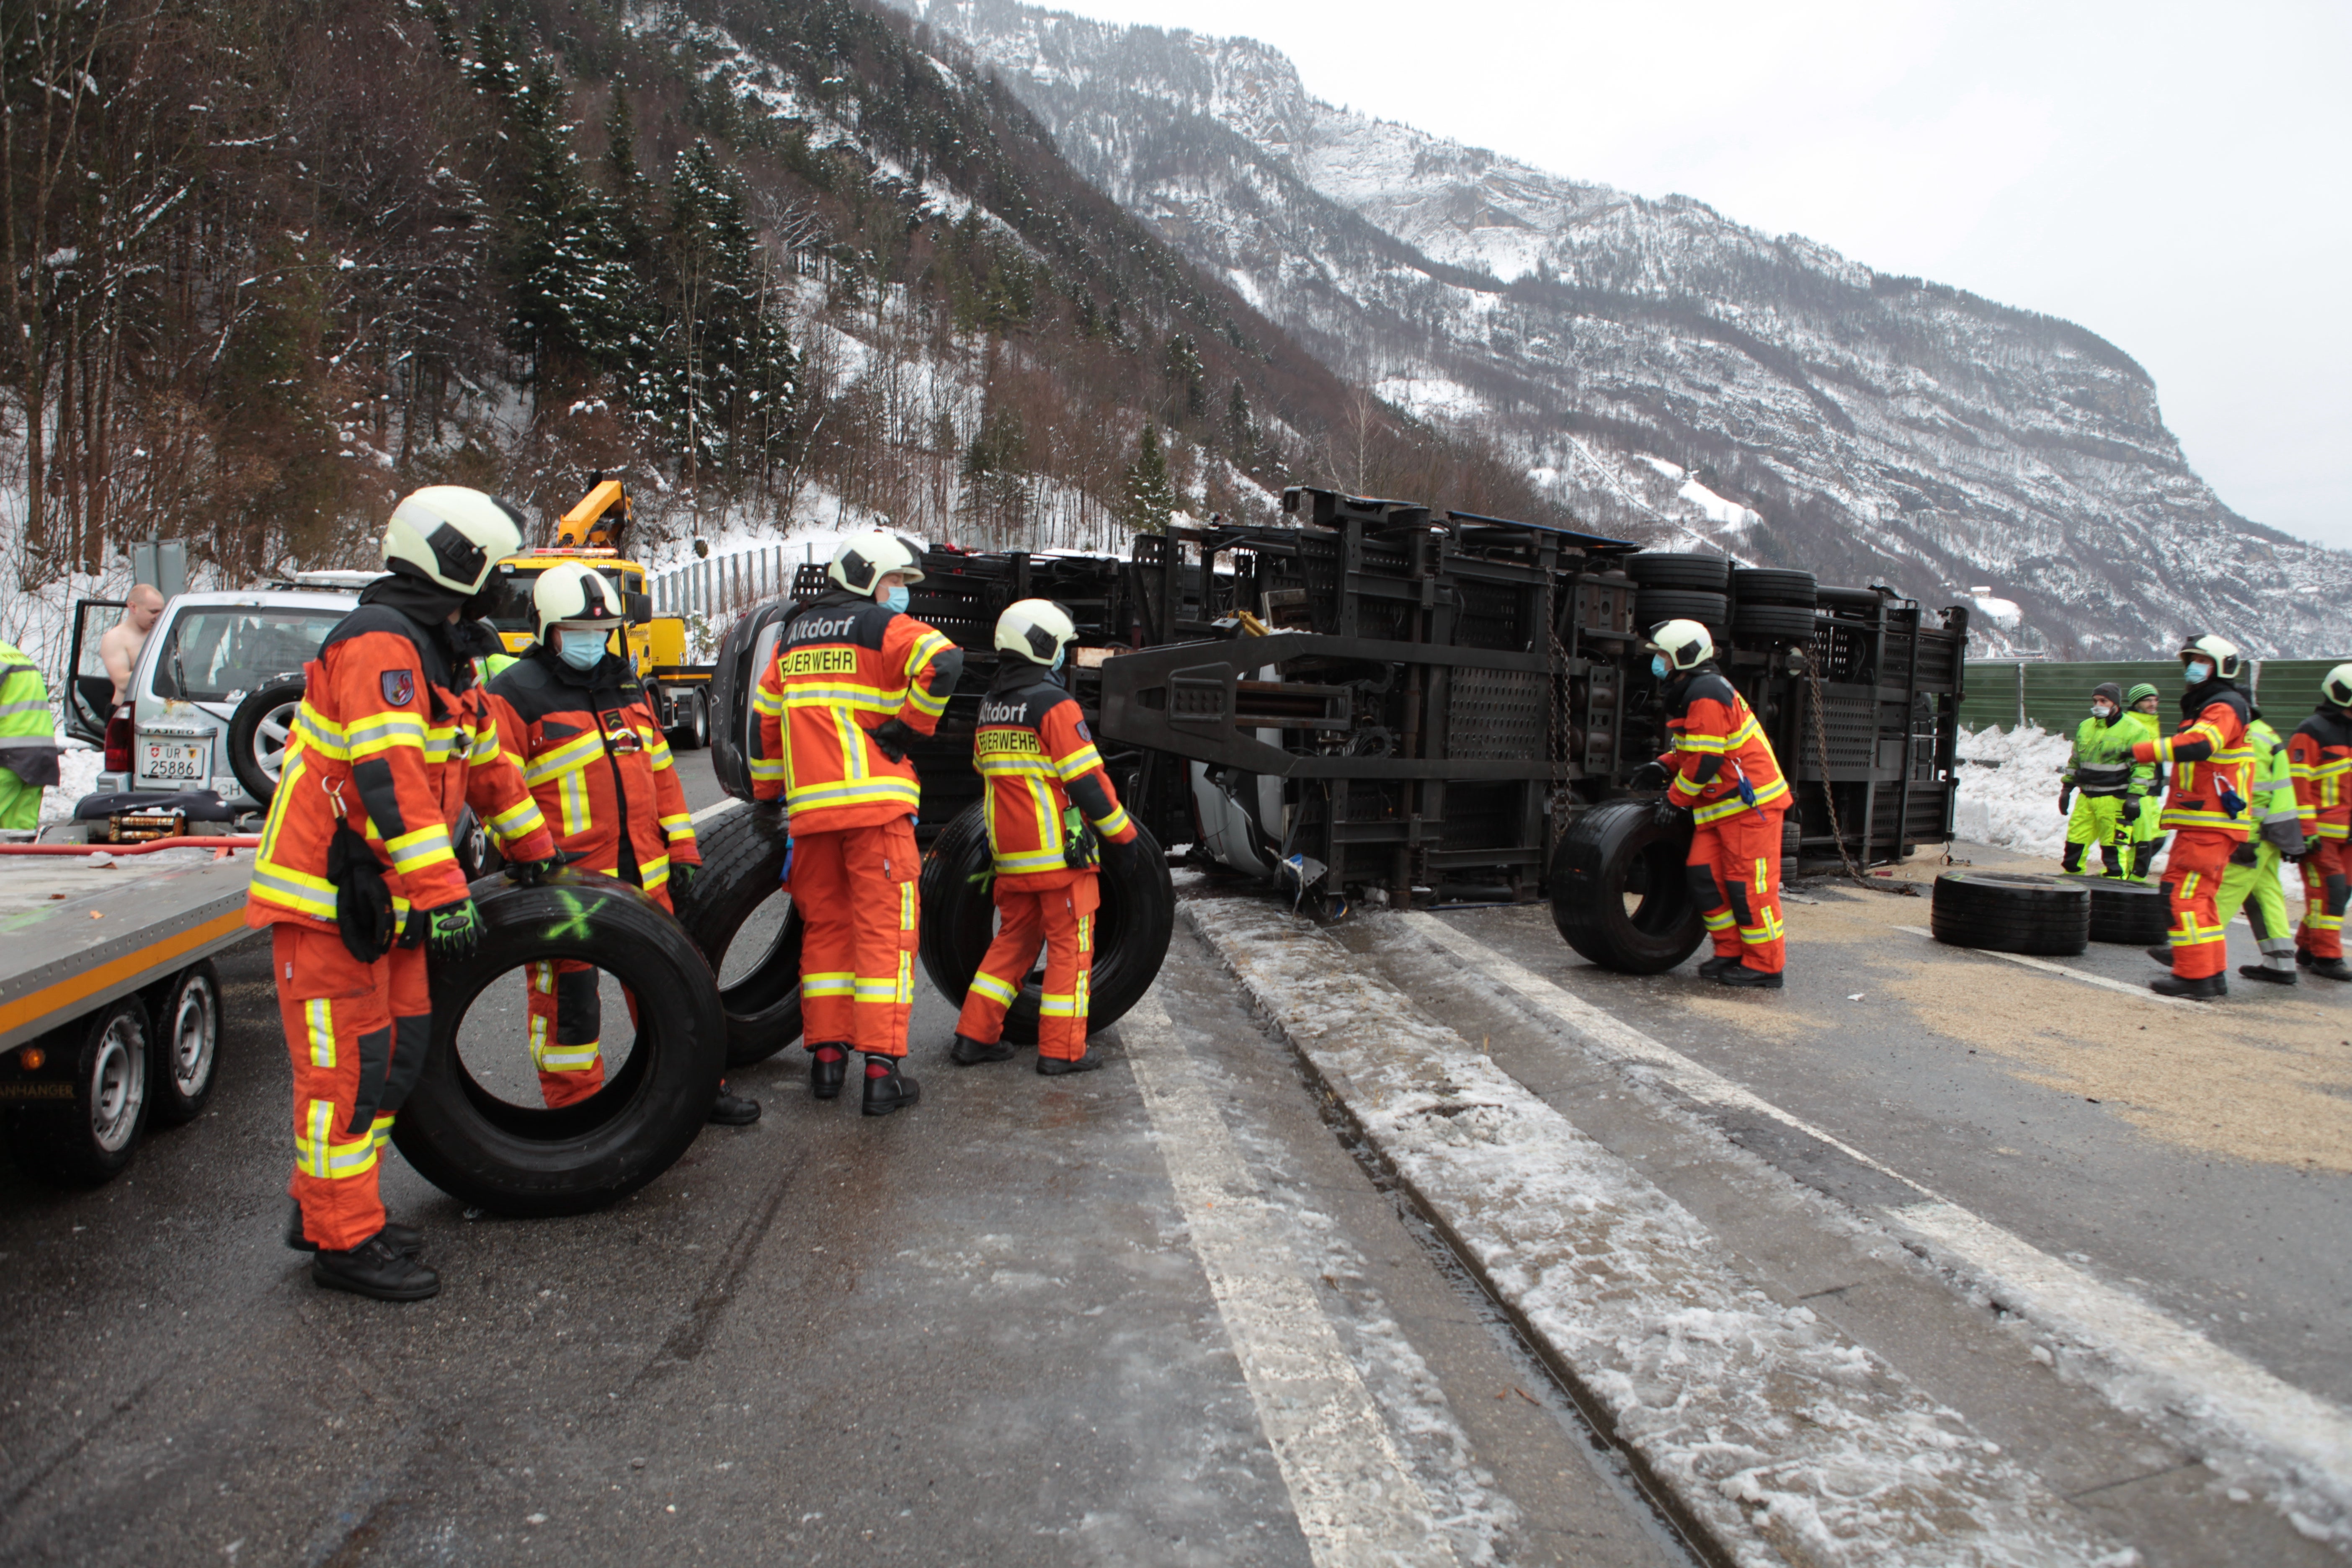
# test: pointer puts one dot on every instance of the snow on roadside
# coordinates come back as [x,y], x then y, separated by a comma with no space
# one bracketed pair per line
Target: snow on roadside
[2013,775]
[78,772]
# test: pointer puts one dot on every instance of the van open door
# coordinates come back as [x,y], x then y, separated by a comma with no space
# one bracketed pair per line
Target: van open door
[90,690]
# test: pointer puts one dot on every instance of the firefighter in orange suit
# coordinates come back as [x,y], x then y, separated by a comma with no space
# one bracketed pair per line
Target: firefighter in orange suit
[1722,770]
[2212,769]
[355,868]
[1048,801]
[2319,755]
[576,722]
[856,680]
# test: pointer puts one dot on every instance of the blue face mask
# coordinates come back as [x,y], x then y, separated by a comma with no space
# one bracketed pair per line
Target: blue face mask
[2198,672]
[1658,665]
[894,600]
[581,651]
[1059,655]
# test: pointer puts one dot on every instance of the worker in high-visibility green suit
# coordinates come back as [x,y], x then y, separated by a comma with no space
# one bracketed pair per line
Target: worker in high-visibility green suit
[28,745]
[2139,837]
[2251,881]
[2099,771]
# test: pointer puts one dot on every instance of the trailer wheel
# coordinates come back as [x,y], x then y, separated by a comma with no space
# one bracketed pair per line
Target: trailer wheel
[90,1140]
[1712,611]
[184,1045]
[1619,893]
[1768,585]
[1666,569]
[759,988]
[523,1161]
[1131,929]
[258,733]
[1773,623]
[2138,914]
[2011,911]
[692,731]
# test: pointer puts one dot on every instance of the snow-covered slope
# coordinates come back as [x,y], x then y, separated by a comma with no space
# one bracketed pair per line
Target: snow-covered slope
[1802,408]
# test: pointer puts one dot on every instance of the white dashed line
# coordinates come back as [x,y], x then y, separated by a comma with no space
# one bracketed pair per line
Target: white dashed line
[2140,993]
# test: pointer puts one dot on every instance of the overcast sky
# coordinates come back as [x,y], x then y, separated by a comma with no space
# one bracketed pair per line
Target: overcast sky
[2172,176]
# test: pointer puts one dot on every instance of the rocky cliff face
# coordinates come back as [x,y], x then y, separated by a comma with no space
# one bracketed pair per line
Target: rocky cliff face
[1674,375]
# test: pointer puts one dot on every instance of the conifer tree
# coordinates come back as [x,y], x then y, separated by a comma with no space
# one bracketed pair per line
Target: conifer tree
[1146,496]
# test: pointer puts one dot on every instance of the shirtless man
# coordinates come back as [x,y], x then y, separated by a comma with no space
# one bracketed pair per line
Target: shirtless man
[119,649]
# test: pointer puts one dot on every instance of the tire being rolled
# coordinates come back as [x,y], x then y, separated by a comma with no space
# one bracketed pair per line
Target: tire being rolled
[742,857]
[1612,852]
[1131,929]
[529,1163]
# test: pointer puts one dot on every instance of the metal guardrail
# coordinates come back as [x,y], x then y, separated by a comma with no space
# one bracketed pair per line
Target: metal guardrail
[2008,693]
[721,587]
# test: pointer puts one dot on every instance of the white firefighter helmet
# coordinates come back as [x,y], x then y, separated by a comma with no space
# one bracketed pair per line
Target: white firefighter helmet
[1036,629]
[2219,652]
[451,536]
[1685,644]
[863,560]
[569,594]
[2336,686]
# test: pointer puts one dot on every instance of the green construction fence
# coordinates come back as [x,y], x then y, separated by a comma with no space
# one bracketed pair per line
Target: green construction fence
[2006,693]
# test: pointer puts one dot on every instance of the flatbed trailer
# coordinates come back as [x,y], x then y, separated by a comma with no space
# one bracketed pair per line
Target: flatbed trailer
[110,1006]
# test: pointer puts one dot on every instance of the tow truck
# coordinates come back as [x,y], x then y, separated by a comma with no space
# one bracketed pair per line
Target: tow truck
[595,531]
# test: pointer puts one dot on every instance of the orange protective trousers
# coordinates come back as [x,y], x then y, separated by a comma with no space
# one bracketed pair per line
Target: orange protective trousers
[356,1033]
[2193,881]
[1734,868]
[2324,893]
[1064,920]
[567,1024]
[854,889]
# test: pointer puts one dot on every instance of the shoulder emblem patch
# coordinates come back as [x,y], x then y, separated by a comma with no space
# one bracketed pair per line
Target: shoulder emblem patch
[1082,732]
[399,686]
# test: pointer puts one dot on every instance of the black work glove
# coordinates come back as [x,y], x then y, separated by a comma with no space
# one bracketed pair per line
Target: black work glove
[682,874]
[1124,857]
[892,739]
[1649,775]
[453,932]
[2065,798]
[774,807]
[531,873]
[2243,855]
[1669,815]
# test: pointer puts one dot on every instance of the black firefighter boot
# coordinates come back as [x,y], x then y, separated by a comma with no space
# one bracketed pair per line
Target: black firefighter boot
[969,1053]
[405,1239]
[1055,1066]
[373,1268]
[2208,988]
[1741,976]
[2331,969]
[2274,975]
[732,1109]
[887,1089]
[2162,955]
[1717,966]
[2072,861]
[828,1065]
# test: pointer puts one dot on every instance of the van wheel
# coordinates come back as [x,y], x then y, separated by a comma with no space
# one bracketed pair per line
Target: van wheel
[186,1045]
[1619,893]
[736,903]
[1131,929]
[521,1159]
[90,1140]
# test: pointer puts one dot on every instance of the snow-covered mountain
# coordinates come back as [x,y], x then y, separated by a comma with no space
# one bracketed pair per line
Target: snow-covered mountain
[1676,376]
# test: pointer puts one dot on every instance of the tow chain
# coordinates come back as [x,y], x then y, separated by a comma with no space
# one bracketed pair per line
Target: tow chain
[1829,795]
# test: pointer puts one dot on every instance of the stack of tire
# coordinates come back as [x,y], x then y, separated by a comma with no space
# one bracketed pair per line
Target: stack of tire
[2013,911]
[1772,605]
[1674,587]
[2131,914]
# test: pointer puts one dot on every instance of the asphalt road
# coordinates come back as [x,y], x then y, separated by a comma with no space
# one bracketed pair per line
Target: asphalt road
[998,1328]
[973,1332]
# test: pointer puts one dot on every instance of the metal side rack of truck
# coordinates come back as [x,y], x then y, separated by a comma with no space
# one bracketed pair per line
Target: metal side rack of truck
[1383,700]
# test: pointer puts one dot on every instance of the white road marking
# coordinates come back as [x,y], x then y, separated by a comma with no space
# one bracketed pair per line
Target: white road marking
[2154,1364]
[2123,987]
[1355,1500]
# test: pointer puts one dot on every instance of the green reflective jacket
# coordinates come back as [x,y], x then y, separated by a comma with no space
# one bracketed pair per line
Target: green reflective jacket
[2101,762]
[23,699]
[2147,777]
[2272,795]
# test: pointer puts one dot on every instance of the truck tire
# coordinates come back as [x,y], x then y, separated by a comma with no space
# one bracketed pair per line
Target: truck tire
[1614,853]
[1768,585]
[742,857]
[693,729]
[1712,611]
[1666,569]
[91,1138]
[184,1044]
[1131,929]
[1773,623]
[258,733]
[2135,913]
[523,1161]
[2011,911]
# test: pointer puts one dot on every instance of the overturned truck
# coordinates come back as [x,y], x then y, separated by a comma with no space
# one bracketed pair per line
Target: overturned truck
[1383,700]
